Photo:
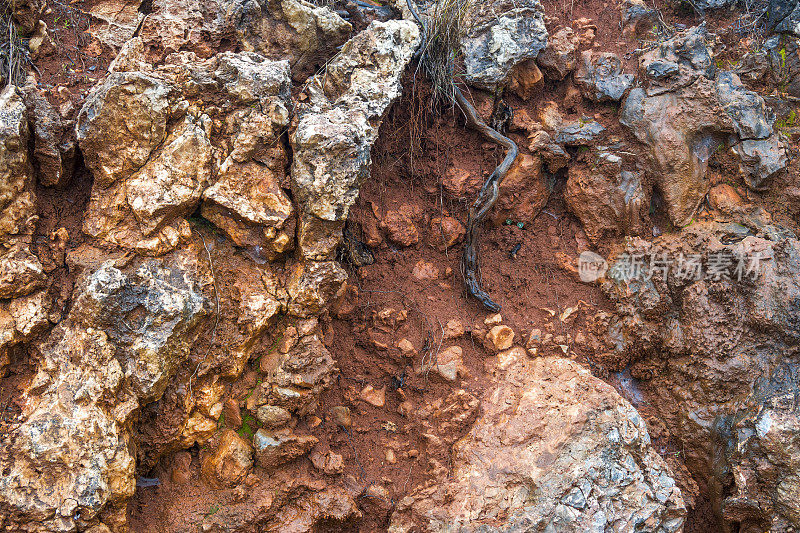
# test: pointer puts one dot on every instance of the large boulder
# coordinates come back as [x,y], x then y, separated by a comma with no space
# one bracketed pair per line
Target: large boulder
[69,462]
[336,129]
[555,449]
[500,35]
[686,111]
[705,313]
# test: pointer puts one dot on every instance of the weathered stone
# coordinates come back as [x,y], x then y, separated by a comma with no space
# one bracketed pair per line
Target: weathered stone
[247,201]
[70,458]
[706,342]
[591,470]
[637,17]
[337,128]
[115,21]
[523,191]
[580,133]
[449,363]
[400,227]
[501,35]
[373,396]
[559,58]
[600,76]
[313,285]
[446,232]
[273,416]
[759,160]
[606,198]
[53,142]
[275,450]
[230,462]
[501,337]
[149,313]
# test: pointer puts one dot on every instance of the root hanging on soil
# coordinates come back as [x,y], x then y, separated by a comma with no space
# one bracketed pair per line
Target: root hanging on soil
[487,196]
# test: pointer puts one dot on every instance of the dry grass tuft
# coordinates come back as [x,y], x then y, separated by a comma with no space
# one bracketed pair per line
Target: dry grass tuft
[14,54]
[442,48]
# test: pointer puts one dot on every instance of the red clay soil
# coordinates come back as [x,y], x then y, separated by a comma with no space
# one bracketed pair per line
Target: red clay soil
[414,150]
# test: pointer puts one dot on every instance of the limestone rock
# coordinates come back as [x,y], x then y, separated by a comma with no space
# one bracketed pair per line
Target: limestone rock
[149,314]
[606,198]
[501,35]
[600,76]
[449,363]
[501,337]
[247,201]
[230,462]
[70,457]
[53,142]
[336,130]
[313,285]
[567,454]
[115,22]
[275,450]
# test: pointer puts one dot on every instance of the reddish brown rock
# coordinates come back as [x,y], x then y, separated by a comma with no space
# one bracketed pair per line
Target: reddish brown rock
[523,191]
[446,232]
[400,227]
[230,462]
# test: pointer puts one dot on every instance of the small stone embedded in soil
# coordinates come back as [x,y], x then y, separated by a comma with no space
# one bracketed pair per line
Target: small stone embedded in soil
[273,450]
[341,415]
[500,337]
[493,320]
[449,363]
[446,232]
[425,271]
[453,329]
[390,456]
[273,416]
[406,347]
[232,413]
[372,396]
[400,227]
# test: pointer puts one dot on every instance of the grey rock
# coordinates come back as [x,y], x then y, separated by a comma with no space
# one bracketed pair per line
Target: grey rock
[600,77]
[759,160]
[751,117]
[501,34]
[149,314]
[784,16]
[579,133]
[660,70]
[637,17]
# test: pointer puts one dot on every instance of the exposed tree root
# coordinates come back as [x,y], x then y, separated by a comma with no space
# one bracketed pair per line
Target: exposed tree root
[487,196]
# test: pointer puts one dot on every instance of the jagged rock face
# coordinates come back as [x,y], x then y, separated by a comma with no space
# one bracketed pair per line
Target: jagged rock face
[21,272]
[127,331]
[701,340]
[70,457]
[555,449]
[784,16]
[686,112]
[763,449]
[336,130]
[247,201]
[606,198]
[139,200]
[501,35]
[54,142]
[293,30]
